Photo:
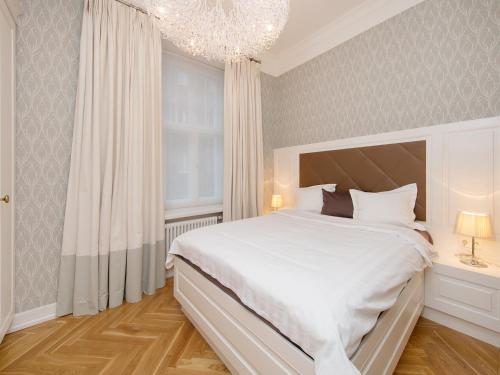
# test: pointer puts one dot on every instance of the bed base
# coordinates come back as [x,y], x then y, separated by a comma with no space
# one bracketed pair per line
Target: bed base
[247,345]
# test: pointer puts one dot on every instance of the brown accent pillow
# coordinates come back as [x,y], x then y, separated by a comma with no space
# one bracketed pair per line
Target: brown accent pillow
[337,204]
[426,235]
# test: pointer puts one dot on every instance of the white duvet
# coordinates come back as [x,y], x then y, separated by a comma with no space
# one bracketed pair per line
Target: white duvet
[321,280]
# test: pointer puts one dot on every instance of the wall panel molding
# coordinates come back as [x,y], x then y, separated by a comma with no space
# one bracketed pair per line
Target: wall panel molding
[445,197]
[469,172]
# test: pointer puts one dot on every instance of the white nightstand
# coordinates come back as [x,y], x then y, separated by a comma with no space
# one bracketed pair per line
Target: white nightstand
[464,298]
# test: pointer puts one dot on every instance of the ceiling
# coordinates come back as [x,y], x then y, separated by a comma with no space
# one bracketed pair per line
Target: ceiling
[316,26]
[308,16]
[305,18]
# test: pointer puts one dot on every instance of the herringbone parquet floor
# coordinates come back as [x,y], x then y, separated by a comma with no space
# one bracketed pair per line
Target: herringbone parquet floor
[437,350]
[154,337]
[149,337]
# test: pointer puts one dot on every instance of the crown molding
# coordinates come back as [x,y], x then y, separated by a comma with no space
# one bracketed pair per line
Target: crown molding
[365,16]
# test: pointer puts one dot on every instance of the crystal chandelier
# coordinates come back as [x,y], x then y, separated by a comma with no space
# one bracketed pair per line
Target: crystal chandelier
[223,30]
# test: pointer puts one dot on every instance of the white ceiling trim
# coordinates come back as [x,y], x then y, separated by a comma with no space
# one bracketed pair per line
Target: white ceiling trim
[363,17]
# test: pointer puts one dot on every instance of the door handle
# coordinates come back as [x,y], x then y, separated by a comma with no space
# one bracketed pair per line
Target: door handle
[5,199]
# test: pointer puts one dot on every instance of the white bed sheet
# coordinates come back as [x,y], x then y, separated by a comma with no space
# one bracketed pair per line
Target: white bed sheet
[321,280]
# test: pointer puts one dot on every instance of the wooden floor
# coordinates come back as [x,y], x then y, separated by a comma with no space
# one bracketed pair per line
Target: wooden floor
[434,349]
[154,337]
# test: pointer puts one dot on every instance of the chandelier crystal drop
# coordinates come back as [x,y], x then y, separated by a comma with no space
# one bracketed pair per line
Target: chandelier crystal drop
[223,30]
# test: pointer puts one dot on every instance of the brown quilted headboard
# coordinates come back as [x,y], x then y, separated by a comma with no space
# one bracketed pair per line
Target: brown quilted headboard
[374,169]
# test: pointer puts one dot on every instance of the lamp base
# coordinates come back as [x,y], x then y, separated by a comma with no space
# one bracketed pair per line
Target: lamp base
[474,262]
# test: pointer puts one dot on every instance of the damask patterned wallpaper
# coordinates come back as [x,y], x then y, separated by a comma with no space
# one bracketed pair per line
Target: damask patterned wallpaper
[270,118]
[436,63]
[48,44]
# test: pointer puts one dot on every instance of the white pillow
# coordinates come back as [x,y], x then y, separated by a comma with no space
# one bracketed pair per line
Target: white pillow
[392,207]
[311,198]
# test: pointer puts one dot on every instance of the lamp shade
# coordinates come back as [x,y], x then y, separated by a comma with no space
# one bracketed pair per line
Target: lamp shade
[474,224]
[276,201]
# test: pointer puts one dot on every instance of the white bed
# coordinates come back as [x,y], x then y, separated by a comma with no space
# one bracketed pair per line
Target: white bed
[321,281]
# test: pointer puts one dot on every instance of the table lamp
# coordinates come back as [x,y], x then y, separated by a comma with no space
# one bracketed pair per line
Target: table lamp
[276,201]
[475,225]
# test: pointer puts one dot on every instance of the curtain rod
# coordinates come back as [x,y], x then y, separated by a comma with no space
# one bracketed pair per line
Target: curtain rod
[139,9]
[126,3]
[255,60]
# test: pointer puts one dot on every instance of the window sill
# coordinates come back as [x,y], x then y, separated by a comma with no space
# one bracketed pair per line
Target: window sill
[178,213]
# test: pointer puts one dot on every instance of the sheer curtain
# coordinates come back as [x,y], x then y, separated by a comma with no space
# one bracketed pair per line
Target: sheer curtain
[243,153]
[113,240]
[193,126]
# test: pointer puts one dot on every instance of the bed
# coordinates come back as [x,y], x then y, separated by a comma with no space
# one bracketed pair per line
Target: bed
[297,292]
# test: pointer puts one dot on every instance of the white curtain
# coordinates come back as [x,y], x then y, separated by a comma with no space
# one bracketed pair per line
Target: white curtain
[113,241]
[243,153]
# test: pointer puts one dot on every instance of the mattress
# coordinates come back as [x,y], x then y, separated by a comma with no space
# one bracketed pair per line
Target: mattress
[320,281]
[233,295]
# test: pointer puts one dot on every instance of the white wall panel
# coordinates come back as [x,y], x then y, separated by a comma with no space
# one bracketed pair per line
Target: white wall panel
[463,161]
[470,164]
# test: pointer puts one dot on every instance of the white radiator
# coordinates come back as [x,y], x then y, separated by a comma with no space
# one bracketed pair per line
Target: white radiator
[176,228]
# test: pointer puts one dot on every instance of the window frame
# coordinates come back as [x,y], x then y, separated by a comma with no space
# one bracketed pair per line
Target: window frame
[195,135]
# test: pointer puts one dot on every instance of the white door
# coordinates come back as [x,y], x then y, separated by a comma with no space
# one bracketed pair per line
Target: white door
[7,100]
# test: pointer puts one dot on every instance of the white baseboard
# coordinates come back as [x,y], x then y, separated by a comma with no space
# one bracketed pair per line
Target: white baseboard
[29,318]
[460,325]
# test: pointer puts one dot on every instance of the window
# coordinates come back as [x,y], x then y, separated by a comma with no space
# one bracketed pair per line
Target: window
[193,97]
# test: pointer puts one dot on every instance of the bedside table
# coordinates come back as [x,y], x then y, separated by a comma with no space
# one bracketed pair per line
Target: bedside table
[464,298]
